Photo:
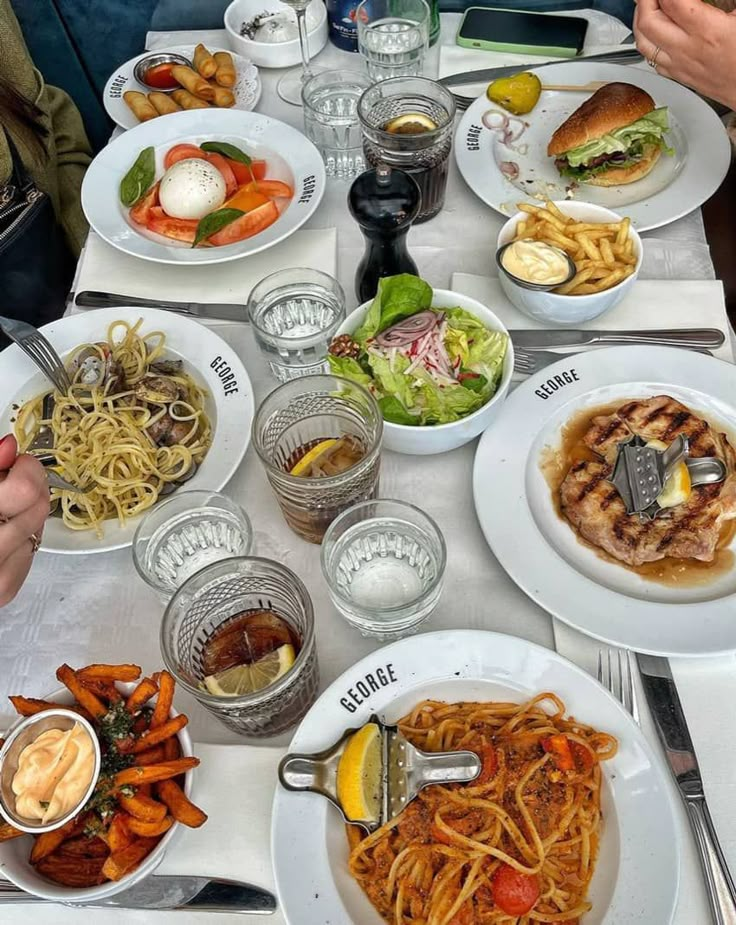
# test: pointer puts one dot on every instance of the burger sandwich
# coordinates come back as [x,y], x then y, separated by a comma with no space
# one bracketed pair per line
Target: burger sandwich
[615,137]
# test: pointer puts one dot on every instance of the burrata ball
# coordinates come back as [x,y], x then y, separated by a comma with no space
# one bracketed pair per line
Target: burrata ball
[191,188]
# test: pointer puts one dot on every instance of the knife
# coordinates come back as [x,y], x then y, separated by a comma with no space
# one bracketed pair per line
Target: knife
[491,73]
[202,894]
[669,721]
[213,310]
[678,337]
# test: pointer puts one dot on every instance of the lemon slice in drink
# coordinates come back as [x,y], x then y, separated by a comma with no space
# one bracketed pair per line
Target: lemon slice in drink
[359,775]
[678,486]
[306,461]
[411,123]
[246,679]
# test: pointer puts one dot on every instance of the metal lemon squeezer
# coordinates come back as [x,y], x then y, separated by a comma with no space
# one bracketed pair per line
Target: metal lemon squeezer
[395,779]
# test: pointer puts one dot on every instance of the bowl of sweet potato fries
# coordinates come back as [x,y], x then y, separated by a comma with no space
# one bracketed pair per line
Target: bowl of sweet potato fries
[142,797]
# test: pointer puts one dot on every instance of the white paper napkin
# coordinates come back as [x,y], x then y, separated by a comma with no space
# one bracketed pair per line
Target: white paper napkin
[104,268]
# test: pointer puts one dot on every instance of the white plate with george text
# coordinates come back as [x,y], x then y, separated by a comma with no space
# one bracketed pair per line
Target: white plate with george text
[684,611]
[207,358]
[637,873]
[678,183]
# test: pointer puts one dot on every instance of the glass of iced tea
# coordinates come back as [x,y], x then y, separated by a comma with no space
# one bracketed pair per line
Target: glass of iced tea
[319,439]
[239,636]
[407,122]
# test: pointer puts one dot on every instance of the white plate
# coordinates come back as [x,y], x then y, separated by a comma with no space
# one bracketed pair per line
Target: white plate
[676,186]
[247,89]
[637,874]
[540,551]
[291,157]
[207,358]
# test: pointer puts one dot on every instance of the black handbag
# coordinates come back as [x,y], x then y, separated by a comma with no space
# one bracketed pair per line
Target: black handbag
[36,265]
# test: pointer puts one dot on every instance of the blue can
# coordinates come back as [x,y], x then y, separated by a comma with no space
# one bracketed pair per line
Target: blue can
[341,23]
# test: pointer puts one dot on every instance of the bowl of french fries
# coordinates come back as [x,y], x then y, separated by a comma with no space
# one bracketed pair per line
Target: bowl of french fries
[142,796]
[606,249]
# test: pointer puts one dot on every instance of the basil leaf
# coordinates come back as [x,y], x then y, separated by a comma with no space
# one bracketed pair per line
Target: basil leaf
[139,178]
[227,150]
[215,222]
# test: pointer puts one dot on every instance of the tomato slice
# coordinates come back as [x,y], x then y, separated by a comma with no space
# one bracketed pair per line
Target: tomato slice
[217,160]
[181,153]
[180,229]
[515,893]
[247,225]
[139,212]
[275,188]
[558,746]
[584,758]
[246,174]
[246,200]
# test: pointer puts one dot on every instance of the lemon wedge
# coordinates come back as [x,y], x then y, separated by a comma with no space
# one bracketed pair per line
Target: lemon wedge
[359,774]
[678,486]
[411,123]
[246,679]
[306,461]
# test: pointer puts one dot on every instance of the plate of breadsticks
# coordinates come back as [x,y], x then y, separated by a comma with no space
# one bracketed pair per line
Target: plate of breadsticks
[183,77]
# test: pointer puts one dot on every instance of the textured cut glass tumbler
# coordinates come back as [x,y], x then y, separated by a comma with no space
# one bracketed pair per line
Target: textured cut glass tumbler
[393,37]
[300,414]
[215,596]
[330,102]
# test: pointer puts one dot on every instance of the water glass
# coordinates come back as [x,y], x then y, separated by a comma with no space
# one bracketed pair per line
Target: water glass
[393,37]
[296,417]
[424,154]
[384,564]
[295,314]
[330,101]
[185,533]
[214,597]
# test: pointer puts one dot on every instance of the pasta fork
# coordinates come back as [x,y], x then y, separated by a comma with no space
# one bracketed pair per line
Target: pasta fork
[33,343]
[529,362]
[615,672]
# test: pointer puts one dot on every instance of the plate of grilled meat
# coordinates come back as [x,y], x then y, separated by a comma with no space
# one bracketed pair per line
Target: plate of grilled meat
[556,481]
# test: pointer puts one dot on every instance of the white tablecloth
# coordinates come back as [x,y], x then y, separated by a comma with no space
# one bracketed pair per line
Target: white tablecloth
[96,608]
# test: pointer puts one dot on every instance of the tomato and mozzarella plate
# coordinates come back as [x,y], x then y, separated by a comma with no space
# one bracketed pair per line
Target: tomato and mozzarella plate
[197,183]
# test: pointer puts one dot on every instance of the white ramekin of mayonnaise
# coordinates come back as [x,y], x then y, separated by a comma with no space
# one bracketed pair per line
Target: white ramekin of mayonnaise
[49,767]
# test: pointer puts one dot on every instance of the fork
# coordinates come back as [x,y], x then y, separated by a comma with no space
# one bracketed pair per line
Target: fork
[528,362]
[616,674]
[33,343]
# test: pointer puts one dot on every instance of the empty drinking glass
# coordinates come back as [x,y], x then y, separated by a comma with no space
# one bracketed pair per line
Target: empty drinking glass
[330,102]
[384,563]
[295,314]
[181,535]
[393,37]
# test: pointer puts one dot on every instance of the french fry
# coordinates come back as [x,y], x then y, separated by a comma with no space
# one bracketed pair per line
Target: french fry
[150,829]
[73,871]
[154,755]
[47,842]
[547,216]
[581,277]
[224,98]
[143,808]
[162,709]
[607,253]
[225,75]
[192,82]
[172,749]
[105,690]
[98,672]
[7,831]
[623,233]
[587,245]
[154,772]
[179,805]
[187,100]
[29,706]
[204,63]
[162,103]
[139,105]
[118,835]
[84,847]
[68,677]
[122,862]
[551,207]
[160,733]
[528,208]
[141,695]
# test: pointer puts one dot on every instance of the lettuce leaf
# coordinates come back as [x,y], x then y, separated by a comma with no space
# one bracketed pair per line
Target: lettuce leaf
[651,127]
[398,297]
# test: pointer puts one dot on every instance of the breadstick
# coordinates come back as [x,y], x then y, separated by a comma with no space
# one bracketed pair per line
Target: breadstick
[162,103]
[139,105]
[192,82]
[225,75]
[204,63]
[185,99]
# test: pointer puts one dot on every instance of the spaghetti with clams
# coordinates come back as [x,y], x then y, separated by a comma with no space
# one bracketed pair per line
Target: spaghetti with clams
[517,846]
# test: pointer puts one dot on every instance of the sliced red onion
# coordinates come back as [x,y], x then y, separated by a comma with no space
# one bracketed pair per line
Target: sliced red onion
[407,331]
[509,169]
[495,120]
[515,129]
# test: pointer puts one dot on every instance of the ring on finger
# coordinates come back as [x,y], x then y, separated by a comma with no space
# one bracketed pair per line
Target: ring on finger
[652,62]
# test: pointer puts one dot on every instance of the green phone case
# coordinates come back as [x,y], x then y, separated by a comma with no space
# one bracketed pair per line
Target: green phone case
[486,45]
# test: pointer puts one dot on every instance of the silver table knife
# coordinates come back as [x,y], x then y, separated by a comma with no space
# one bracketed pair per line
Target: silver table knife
[203,894]
[491,73]
[669,721]
[221,311]
[676,337]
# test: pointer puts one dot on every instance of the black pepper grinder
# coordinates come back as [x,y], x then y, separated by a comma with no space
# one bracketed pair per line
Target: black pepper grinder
[384,202]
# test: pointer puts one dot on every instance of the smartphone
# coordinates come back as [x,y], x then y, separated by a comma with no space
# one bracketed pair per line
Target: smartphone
[528,33]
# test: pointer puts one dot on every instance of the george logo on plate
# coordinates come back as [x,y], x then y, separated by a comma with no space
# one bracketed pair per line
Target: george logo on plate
[116,87]
[227,376]
[555,383]
[472,139]
[370,683]
[309,185]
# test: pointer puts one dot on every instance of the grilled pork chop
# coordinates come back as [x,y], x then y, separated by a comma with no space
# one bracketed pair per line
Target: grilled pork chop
[594,507]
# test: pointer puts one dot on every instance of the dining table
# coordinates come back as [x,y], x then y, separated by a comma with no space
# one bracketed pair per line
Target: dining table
[95,608]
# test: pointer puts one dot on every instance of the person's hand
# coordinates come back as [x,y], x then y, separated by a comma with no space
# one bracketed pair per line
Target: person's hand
[696,42]
[24,507]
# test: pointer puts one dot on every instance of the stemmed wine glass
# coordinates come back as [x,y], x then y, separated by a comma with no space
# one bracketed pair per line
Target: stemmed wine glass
[290,86]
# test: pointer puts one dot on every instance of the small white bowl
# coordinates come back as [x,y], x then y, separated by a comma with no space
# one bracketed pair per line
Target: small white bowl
[440,438]
[14,854]
[274,54]
[552,308]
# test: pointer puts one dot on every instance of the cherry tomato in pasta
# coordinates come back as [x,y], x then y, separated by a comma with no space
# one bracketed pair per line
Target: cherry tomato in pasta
[515,893]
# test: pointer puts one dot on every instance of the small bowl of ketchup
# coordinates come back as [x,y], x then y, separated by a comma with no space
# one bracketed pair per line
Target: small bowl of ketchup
[154,71]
